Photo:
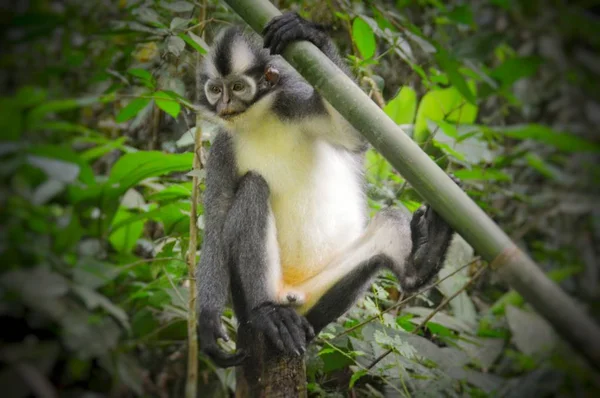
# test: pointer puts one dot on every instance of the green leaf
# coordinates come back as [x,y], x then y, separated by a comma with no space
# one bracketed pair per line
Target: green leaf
[363,36]
[132,109]
[147,15]
[482,174]
[405,323]
[134,167]
[563,141]
[85,172]
[179,191]
[514,69]
[175,217]
[93,300]
[464,141]
[179,23]
[103,149]
[461,14]
[440,330]
[402,108]
[540,165]
[478,46]
[37,113]
[377,168]
[11,120]
[143,75]
[177,6]
[357,375]
[442,104]
[167,103]
[29,96]
[124,239]
[450,65]
[448,150]
[63,127]
[55,169]
[128,171]
[195,41]
[175,45]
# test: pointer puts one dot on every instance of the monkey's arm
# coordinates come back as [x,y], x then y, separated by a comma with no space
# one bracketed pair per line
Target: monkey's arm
[297,100]
[212,273]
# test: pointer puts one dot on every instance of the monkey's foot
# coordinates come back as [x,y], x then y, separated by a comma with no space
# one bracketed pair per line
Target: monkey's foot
[431,236]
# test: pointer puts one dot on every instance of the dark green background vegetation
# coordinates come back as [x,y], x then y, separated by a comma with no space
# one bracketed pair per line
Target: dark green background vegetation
[96,130]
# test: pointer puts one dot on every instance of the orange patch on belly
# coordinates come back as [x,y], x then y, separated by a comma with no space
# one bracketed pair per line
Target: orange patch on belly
[295,275]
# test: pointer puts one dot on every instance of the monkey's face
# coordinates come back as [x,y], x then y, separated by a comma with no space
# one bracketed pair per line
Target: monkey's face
[236,75]
[230,96]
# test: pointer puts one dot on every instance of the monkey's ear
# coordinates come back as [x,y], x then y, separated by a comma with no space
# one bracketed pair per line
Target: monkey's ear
[272,75]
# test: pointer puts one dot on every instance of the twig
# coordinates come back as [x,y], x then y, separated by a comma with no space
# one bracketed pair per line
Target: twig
[375,94]
[435,311]
[192,371]
[155,127]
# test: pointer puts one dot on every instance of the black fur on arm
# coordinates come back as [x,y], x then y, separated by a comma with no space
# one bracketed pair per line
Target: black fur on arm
[290,27]
[212,273]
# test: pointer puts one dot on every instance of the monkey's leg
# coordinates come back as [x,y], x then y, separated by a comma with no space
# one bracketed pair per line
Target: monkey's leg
[256,279]
[413,249]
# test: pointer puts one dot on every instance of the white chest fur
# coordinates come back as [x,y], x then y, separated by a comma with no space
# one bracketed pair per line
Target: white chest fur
[316,192]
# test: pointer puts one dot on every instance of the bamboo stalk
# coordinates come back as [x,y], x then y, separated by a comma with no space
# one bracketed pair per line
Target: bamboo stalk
[432,183]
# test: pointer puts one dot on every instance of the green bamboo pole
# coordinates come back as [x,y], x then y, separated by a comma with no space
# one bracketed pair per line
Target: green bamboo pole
[432,183]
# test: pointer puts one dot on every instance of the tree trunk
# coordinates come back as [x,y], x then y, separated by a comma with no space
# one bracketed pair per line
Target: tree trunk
[267,372]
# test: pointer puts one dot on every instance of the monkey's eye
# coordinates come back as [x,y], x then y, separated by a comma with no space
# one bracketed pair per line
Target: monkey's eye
[238,86]
[215,89]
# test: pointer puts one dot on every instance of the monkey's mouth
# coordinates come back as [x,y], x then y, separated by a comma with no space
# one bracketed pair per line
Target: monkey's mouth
[229,114]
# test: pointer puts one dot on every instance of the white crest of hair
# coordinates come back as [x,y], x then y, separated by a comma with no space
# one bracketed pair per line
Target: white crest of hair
[241,55]
[210,69]
[316,193]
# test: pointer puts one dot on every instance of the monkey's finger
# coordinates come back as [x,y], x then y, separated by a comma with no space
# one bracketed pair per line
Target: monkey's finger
[288,341]
[285,37]
[272,332]
[296,331]
[221,333]
[303,323]
[273,26]
[274,41]
[222,359]
[281,20]
[308,329]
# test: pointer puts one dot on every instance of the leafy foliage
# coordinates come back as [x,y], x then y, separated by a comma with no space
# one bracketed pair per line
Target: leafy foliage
[96,197]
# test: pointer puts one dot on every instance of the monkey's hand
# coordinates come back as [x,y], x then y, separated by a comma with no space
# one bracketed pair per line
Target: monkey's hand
[283,326]
[289,27]
[431,236]
[210,329]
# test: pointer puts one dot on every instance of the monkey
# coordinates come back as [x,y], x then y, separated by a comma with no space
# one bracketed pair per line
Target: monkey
[286,225]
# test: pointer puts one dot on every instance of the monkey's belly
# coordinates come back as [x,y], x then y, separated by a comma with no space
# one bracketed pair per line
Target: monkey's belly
[318,220]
